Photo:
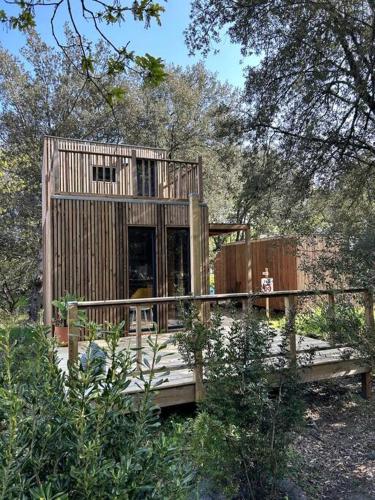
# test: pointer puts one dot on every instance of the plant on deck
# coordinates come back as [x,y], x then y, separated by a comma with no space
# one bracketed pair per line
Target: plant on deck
[80,435]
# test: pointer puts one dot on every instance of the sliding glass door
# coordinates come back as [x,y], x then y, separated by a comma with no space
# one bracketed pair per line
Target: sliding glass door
[142,271]
[178,269]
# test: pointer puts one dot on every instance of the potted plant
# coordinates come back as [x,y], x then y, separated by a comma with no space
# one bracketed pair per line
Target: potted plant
[60,323]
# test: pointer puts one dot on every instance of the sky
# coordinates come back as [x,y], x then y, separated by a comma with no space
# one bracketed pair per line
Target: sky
[165,41]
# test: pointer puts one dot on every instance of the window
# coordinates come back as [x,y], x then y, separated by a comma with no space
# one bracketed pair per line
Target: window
[178,270]
[103,174]
[145,177]
[142,272]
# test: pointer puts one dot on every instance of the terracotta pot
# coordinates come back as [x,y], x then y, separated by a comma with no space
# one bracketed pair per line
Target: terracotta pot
[61,335]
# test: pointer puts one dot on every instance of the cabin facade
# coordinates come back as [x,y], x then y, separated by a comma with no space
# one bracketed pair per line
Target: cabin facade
[121,222]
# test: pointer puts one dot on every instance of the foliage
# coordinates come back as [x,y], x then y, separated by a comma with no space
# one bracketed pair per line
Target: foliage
[98,15]
[79,435]
[310,119]
[242,434]
[62,307]
[343,325]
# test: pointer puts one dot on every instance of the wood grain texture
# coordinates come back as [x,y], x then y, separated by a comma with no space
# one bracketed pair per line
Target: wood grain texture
[86,220]
[240,264]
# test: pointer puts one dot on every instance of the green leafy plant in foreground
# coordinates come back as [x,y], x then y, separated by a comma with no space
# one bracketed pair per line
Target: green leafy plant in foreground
[241,436]
[340,326]
[79,435]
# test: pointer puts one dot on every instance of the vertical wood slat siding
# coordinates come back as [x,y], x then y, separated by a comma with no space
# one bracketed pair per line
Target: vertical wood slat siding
[85,241]
[280,255]
[90,257]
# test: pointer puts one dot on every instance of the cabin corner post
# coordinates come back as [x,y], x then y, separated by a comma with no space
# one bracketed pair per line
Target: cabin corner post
[49,166]
[196,280]
[73,333]
[290,316]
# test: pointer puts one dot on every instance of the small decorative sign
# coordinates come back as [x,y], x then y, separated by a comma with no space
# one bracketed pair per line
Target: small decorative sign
[266,285]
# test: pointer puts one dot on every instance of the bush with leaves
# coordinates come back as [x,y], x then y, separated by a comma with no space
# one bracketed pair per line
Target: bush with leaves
[79,435]
[240,439]
[340,325]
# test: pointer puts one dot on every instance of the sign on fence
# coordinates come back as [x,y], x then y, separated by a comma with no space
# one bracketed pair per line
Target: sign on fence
[266,285]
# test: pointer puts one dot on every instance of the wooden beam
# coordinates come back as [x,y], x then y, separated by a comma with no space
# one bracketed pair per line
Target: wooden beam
[133,174]
[200,178]
[139,335]
[366,379]
[290,314]
[195,244]
[196,280]
[369,312]
[332,311]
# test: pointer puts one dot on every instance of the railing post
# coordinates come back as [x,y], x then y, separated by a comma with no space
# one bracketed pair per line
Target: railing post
[332,310]
[133,174]
[139,335]
[200,178]
[290,316]
[369,311]
[370,326]
[73,333]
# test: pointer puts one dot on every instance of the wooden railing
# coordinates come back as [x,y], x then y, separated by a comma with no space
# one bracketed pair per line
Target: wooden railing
[290,297]
[76,168]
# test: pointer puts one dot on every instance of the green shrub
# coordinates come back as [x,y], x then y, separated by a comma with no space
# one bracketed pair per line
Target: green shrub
[240,439]
[79,435]
[340,327]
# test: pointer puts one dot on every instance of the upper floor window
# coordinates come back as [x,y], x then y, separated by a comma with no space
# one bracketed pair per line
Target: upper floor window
[103,174]
[146,177]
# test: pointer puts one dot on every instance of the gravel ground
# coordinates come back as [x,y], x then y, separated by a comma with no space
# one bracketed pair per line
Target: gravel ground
[334,456]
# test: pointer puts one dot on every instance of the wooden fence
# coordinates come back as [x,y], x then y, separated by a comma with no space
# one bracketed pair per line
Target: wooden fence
[289,296]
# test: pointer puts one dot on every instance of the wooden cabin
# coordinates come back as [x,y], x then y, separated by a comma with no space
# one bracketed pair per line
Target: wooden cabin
[284,257]
[119,222]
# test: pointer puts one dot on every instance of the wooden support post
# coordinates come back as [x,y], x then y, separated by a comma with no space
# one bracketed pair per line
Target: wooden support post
[331,311]
[370,325]
[200,178]
[195,244]
[290,314]
[139,335]
[133,187]
[73,333]
[369,312]
[196,279]
[266,274]
[367,385]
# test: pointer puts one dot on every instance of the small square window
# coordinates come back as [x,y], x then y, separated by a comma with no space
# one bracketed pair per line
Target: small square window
[103,174]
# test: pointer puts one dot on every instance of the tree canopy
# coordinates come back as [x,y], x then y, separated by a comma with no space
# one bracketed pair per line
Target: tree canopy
[98,17]
[309,118]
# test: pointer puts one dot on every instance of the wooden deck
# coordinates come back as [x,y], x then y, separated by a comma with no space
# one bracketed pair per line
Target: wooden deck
[326,363]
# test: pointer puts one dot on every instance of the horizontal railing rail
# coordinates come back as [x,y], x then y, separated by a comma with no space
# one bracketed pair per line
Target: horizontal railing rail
[218,297]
